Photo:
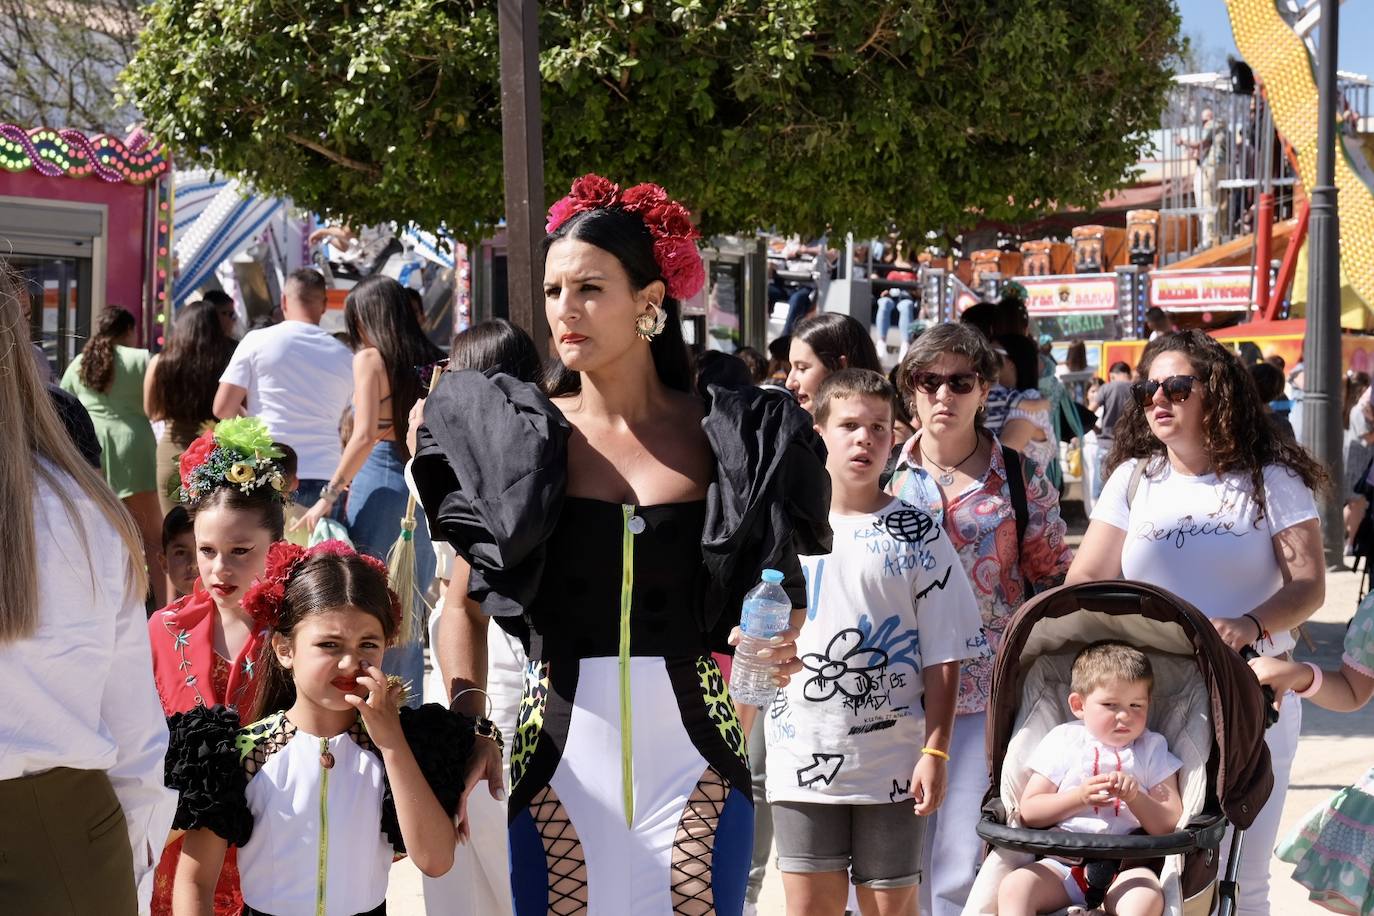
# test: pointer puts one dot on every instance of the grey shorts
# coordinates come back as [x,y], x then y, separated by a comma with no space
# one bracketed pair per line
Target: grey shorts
[879,845]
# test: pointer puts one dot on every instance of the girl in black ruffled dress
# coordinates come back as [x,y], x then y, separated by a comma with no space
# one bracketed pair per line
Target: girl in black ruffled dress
[331,778]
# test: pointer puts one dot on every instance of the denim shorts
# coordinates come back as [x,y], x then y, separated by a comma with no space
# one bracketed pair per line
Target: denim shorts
[880,845]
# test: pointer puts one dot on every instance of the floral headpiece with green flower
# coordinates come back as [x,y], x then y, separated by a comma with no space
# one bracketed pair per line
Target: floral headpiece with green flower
[238,452]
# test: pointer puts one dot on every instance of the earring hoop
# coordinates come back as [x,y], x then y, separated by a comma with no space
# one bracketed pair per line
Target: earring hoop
[651,324]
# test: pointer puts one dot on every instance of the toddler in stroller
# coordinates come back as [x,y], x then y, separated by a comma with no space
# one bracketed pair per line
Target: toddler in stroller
[1205,703]
[1103,773]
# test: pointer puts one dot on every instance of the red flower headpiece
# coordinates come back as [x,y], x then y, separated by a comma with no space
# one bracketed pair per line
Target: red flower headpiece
[668,222]
[263,599]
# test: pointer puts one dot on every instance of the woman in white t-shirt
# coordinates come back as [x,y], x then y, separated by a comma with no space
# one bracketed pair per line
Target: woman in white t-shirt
[1224,516]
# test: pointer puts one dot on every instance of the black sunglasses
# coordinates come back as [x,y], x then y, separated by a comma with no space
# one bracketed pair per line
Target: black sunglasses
[1177,388]
[958,382]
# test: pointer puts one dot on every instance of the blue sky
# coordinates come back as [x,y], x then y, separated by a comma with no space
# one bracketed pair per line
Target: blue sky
[1206,22]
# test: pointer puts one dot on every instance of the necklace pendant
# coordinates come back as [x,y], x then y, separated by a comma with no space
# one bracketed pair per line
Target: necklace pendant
[326,755]
[945,479]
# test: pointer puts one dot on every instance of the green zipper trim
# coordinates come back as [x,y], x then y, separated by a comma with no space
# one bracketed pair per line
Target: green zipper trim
[627,584]
[324,833]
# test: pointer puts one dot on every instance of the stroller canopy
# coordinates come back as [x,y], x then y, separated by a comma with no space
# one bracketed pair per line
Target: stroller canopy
[1149,618]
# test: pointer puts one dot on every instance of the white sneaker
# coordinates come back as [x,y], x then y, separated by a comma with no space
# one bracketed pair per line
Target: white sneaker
[750,909]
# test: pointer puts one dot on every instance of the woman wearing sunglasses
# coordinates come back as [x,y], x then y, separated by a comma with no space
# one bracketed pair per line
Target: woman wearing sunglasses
[959,472]
[1204,498]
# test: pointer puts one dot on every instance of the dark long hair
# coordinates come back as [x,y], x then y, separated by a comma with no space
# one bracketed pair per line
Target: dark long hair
[1024,356]
[188,371]
[263,502]
[1356,383]
[98,356]
[1237,436]
[496,344]
[377,312]
[624,235]
[324,582]
[832,335]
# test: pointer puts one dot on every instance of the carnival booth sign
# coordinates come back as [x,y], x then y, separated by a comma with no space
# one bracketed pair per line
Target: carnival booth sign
[1070,294]
[1205,290]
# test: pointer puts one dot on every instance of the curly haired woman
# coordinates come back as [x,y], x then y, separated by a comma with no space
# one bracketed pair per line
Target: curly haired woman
[107,377]
[1205,499]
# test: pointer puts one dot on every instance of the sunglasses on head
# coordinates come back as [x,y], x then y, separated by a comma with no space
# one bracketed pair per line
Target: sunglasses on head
[931,382]
[1177,388]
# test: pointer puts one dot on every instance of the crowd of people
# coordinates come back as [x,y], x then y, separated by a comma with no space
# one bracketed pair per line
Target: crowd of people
[256,744]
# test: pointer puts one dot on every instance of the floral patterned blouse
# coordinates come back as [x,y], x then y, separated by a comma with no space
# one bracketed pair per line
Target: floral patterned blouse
[981,524]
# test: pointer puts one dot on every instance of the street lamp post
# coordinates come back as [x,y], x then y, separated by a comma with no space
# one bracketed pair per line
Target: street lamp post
[1322,350]
[523,153]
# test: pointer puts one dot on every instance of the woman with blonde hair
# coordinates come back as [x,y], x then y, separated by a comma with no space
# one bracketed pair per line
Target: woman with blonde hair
[82,736]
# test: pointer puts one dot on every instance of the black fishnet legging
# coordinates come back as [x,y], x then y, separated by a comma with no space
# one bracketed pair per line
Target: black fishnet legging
[694,844]
[563,850]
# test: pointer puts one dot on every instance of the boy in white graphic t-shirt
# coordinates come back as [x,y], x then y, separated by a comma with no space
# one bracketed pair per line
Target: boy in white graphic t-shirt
[1105,772]
[857,742]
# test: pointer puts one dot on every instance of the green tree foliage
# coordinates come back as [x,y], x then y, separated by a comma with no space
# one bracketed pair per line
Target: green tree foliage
[798,114]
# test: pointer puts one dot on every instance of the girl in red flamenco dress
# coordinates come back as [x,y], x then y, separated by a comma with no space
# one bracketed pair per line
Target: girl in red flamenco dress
[205,645]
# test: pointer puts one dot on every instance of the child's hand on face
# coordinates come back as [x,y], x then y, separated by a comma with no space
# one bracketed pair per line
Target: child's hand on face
[380,709]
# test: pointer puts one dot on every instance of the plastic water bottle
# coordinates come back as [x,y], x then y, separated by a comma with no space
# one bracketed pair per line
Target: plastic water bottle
[767,612]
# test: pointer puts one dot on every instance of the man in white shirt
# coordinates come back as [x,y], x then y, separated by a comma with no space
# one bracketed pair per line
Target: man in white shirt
[298,379]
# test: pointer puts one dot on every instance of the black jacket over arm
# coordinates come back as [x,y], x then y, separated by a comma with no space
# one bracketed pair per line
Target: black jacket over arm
[491,469]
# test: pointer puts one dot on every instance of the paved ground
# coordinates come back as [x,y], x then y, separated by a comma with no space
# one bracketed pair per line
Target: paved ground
[1334,751]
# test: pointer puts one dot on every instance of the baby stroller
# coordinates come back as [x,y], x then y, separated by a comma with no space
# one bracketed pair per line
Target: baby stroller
[1206,703]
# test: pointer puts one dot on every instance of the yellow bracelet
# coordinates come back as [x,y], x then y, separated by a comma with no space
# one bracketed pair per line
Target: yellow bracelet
[935,752]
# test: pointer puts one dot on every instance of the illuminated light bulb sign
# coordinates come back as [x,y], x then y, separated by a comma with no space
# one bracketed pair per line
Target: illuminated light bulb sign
[71,154]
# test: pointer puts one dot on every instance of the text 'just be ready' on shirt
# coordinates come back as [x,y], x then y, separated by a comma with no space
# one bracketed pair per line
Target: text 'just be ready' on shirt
[891,599]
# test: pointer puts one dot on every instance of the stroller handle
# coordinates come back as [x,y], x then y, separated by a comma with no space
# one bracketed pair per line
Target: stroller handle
[1203,832]
[1271,711]
[1108,596]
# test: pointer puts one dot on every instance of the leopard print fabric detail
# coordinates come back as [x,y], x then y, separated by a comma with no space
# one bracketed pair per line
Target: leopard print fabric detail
[529,721]
[720,707]
[261,740]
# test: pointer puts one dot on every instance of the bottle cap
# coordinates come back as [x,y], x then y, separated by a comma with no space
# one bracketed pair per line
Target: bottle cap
[772,576]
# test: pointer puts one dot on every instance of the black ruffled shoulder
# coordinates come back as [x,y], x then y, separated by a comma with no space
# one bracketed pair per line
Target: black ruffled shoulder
[441,741]
[204,766]
[770,501]
[491,468]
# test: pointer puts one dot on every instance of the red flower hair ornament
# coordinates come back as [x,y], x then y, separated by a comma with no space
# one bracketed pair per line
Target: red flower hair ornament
[668,222]
[264,597]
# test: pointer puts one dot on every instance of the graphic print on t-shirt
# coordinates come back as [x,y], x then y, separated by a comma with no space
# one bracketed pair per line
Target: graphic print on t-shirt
[849,667]
[890,600]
